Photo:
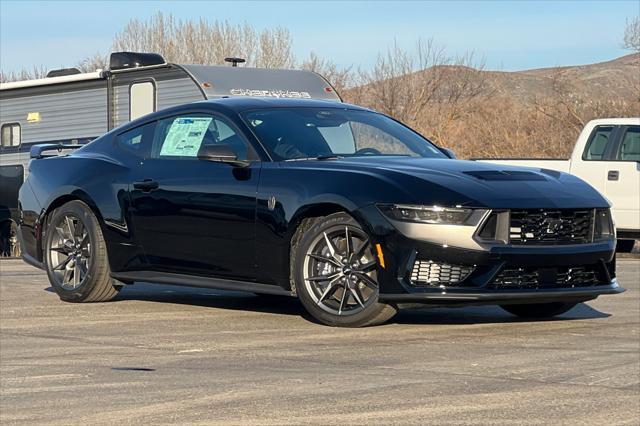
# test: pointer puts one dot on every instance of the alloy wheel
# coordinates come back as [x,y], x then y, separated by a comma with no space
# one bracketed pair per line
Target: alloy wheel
[340,271]
[70,252]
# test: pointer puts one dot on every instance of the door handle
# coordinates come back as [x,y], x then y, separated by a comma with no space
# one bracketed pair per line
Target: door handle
[613,175]
[146,185]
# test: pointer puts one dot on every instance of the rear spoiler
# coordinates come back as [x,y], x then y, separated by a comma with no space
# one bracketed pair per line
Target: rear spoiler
[38,151]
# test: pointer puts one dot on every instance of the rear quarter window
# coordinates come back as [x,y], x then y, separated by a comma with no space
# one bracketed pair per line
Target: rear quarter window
[136,141]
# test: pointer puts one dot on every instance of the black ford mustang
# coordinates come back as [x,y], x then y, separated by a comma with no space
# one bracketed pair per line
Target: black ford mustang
[345,208]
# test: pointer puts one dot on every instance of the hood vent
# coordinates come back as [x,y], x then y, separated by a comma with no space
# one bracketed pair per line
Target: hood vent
[510,175]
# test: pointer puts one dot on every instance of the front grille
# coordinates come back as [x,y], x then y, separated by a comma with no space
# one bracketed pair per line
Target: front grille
[553,227]
[562,277]
[427,273]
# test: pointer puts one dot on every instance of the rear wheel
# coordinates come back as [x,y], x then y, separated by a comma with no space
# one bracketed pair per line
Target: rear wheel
[335,274]
[75,255]
[539,310]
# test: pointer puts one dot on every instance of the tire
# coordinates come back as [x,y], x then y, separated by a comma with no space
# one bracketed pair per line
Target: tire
[14,242]
[5,235]
[75,255]
[625,246]
[539,310]
[324,299]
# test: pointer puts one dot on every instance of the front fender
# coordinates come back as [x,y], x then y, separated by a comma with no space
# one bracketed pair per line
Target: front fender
[287,195]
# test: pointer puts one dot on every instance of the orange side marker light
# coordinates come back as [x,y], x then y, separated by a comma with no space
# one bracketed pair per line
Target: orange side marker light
[380,255]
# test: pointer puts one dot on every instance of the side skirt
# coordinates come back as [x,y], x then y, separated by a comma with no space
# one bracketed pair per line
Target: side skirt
[195,281]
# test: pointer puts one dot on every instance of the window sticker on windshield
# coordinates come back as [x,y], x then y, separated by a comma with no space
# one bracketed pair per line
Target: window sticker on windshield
[185,136]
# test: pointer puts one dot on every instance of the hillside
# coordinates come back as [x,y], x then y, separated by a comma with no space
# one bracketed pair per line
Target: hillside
[595,81]
[616,78]
[531,113]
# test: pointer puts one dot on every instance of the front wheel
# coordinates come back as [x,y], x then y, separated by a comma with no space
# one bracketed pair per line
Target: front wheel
[539,310]
[75,255]
[334,268]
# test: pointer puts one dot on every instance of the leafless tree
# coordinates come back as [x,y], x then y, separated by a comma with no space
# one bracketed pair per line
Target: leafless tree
[93,63]
[24,74]
[423,87]
[631,38]
[339,77]
[569,108]
[564,105]
[206,42]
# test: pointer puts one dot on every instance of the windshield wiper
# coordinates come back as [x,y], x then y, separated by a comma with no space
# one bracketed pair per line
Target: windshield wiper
[319,157]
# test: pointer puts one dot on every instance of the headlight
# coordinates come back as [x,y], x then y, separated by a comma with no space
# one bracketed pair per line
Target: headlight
[603,228]
[433,214]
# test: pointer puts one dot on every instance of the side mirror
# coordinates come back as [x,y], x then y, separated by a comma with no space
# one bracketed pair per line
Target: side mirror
[221,153]
[449,153]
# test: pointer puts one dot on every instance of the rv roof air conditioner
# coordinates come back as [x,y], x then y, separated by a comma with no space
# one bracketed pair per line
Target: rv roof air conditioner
[63,71]
[124,60]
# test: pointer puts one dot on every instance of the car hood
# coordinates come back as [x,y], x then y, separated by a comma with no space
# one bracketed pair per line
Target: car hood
[444,181]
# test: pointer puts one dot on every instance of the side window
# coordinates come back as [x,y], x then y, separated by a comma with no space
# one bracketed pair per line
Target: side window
[630,146]
[137,141]
[597,144]
[183,136]
[11,135]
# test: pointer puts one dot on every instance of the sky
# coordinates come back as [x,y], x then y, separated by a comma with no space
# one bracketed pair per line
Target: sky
[509,35]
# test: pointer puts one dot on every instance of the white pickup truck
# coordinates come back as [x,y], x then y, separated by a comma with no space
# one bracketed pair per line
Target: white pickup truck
[607,156]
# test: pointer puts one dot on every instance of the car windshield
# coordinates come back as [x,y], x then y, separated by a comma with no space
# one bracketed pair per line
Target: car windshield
[300,133]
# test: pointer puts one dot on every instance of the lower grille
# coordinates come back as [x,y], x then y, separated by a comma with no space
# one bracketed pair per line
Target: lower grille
[427,273]
[565,277]
[550,227]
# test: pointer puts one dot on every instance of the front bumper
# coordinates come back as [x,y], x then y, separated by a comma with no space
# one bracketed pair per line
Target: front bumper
[571,273]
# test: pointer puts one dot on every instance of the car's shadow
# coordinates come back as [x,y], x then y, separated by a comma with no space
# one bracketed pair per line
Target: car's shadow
[484,315]
[210,298]
[221,299]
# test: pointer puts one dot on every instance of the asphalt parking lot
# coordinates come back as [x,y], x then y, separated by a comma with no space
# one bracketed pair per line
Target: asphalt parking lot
[164,354]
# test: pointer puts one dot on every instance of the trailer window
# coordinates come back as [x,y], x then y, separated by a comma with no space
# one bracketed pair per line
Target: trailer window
[11,135]
[142,99]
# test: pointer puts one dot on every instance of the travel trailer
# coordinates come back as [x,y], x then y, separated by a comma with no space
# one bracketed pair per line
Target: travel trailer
[69,107]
